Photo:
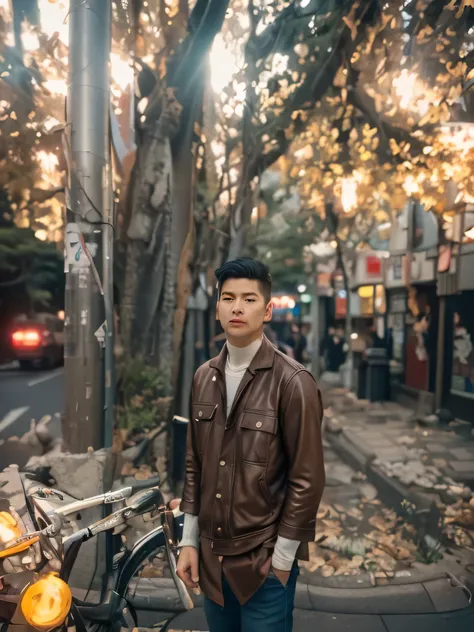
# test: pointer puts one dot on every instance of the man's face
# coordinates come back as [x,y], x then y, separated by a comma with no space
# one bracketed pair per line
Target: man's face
[243,310]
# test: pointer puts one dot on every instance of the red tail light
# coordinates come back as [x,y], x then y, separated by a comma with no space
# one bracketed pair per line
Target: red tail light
[26,338]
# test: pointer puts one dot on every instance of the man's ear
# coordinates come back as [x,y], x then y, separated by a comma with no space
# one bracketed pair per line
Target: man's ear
[217,311]
[268,312]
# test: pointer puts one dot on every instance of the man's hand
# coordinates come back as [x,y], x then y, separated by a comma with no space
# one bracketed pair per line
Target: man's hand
[283,576]
[188,566]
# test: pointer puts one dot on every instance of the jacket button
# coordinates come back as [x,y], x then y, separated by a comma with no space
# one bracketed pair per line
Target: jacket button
[259,424]
[200,413]
[222,463]
[219,529]
[218,495]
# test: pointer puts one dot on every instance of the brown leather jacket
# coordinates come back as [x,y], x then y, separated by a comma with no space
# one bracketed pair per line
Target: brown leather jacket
[258,473]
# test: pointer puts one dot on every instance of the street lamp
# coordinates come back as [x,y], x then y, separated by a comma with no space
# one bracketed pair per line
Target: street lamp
[301,288]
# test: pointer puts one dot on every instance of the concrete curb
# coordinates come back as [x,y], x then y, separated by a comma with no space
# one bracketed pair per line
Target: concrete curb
[436,592]
[392,492]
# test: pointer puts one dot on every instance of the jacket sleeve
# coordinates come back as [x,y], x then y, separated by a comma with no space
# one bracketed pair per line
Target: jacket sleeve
[301,419]
[190,502]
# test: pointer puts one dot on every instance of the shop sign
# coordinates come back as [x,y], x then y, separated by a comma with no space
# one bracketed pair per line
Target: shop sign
[324,283]
[341,305]
[397,268]
[373,266]
[398,303]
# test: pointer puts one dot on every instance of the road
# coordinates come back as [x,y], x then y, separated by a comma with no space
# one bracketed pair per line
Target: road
[27,395]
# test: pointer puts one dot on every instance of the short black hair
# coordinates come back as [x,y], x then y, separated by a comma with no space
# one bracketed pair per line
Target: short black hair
[246,268]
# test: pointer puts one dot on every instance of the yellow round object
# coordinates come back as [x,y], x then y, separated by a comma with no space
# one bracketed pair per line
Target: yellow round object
[46,603]
[9,529]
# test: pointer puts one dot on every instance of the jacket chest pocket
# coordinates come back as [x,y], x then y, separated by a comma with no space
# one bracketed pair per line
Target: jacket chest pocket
[256,432]
[203,414]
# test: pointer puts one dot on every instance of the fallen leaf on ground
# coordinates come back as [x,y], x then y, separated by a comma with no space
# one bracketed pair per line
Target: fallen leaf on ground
[403,554]
[357,561]
[379,523]
[316,563]
[327,571]
[356,513]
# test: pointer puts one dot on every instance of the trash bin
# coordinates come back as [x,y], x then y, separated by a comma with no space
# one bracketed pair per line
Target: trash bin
[180,430]
[362,380]
[378,375]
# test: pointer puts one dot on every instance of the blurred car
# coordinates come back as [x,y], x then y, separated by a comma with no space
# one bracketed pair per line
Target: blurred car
[38,341]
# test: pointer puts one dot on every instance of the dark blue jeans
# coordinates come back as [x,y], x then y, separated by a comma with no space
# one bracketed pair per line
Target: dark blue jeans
[269,610]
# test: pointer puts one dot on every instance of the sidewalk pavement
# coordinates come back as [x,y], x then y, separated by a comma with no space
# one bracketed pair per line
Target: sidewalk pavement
[366,562]
[425,473]
[370,567]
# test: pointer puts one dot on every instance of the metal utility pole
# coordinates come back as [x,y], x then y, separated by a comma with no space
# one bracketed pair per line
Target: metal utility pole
[88,265]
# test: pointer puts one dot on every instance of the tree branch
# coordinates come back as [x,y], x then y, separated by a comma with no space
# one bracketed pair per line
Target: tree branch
[199,42]
[42,195]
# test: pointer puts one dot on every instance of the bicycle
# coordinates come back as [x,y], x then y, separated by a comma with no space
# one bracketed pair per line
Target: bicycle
[114,611]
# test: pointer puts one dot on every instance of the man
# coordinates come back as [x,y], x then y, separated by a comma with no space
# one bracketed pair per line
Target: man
[254,466]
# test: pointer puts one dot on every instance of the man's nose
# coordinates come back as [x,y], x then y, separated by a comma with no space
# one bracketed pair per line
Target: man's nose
[237,307]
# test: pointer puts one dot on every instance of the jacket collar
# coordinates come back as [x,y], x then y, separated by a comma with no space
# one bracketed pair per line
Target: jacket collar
[263,358]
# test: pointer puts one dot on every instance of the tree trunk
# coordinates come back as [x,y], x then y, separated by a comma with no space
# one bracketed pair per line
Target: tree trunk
[149,274]
[160,232]
[238,238]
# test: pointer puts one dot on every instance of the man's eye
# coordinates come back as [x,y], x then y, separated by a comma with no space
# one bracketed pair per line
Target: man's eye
[250,300]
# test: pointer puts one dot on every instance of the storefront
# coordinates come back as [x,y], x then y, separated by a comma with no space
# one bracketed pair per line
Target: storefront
[368,297]
[422,323]
[396,318]
[462,364]
[396,283]
[459,340]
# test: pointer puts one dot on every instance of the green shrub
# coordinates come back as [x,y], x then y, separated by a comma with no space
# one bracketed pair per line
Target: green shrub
[142,397]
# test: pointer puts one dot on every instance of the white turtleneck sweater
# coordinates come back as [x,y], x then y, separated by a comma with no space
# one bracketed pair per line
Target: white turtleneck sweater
[238,361]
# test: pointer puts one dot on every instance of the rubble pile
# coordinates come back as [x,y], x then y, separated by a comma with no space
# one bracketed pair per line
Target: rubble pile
[34,443]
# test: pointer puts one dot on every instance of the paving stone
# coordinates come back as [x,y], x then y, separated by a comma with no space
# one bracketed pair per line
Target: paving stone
[340,472]
[380,442]
[360,444]
[435,447]
[391,454]
[330,456]
[462,466]
[463,454]
[361,431]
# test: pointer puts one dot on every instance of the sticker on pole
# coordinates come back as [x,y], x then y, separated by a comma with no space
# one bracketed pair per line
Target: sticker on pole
[100,334]
[78,253]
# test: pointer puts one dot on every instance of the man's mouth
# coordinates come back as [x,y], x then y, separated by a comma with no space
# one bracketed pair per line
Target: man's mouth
[236,321]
